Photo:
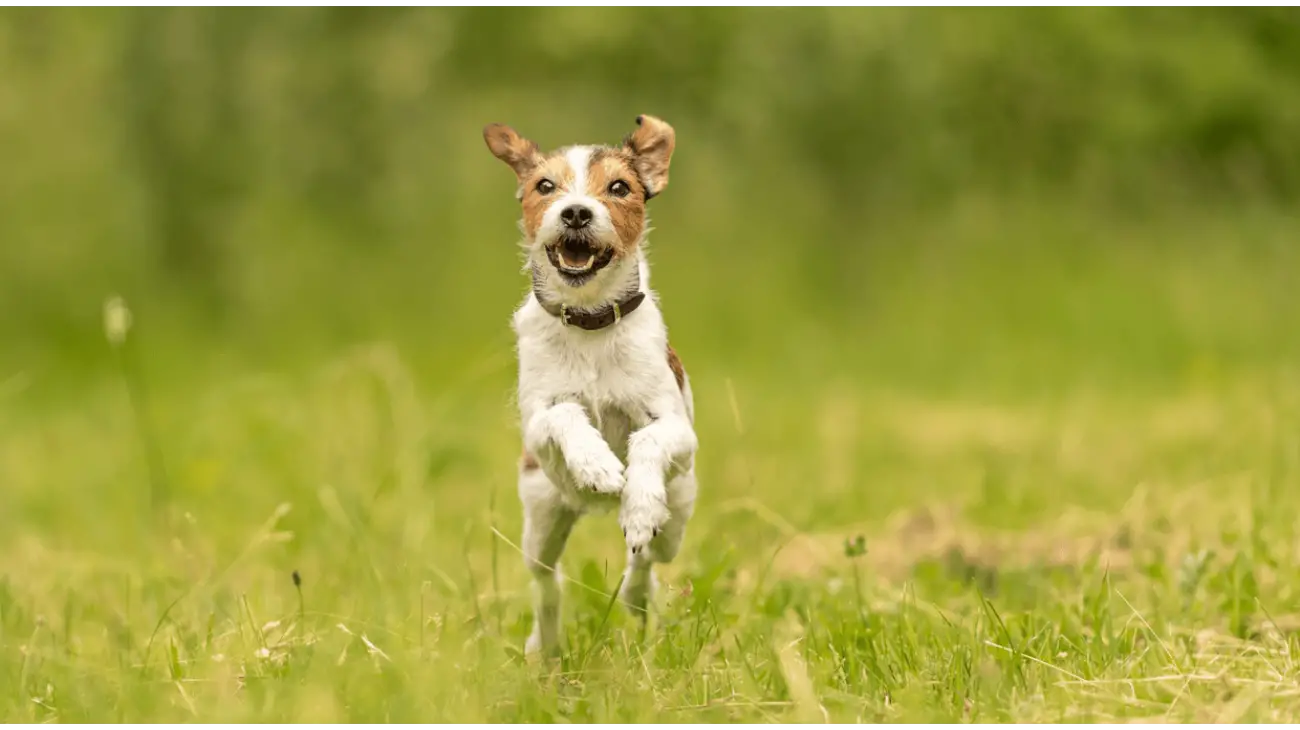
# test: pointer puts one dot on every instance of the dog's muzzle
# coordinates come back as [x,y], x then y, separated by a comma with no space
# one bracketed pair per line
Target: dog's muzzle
[577,259]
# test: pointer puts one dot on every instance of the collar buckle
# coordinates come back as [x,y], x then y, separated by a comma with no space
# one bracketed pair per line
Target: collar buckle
[564,314]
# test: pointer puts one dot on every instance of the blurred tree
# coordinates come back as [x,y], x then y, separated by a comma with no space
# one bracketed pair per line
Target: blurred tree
[246,133]
[342,138]
[186,132]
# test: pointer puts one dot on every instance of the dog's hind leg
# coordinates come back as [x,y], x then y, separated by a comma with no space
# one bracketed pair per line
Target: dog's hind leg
[638,579]
[547,524]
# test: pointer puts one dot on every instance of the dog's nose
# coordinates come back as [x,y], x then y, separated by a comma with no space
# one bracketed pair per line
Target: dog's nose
[576,216]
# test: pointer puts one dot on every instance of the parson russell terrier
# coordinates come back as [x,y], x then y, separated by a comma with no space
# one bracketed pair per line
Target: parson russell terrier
[605,406]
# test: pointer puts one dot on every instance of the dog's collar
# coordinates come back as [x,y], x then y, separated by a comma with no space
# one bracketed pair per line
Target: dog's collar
[590,320]
[596,319]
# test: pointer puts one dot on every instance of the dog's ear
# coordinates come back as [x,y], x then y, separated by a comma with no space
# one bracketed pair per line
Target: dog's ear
[520,154]
[651,146]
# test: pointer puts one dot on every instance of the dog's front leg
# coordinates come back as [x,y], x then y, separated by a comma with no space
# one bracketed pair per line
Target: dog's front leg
[655,454]
[590,461]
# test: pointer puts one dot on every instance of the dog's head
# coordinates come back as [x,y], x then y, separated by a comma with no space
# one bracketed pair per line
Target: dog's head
[584,206]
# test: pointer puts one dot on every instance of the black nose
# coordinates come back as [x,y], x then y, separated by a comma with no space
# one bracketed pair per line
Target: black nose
[576,216]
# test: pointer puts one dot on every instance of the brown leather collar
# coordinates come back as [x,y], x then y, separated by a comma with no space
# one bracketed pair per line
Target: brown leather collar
[596,319]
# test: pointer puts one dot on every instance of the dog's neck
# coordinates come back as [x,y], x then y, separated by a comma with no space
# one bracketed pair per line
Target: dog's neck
[614,283]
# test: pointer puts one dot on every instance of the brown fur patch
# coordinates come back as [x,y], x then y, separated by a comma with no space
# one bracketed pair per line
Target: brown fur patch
[528,462]
[652,146]
[554,168]
[679,372]
[519,153]
[627,213]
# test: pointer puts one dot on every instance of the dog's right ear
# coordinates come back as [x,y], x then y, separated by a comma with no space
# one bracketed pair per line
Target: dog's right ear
[652,150]
[520,154]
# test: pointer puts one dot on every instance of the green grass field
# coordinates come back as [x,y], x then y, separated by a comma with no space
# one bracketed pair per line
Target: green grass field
[991,318]
[1037,467]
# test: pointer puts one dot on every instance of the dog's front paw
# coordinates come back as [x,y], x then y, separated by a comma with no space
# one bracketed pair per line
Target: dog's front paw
[597,471]
[644,511]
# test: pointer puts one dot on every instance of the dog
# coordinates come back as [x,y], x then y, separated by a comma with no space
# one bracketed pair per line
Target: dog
[606,411]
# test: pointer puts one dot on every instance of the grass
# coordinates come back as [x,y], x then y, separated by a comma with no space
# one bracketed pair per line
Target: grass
[995,359]
[1059,486]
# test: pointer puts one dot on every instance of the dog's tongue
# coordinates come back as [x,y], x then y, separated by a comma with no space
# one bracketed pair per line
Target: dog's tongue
[575,259]
[575,255]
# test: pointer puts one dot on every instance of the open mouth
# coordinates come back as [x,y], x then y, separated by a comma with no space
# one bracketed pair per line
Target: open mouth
[577,259]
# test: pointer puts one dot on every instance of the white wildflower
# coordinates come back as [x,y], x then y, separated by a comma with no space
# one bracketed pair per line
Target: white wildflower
[117,320]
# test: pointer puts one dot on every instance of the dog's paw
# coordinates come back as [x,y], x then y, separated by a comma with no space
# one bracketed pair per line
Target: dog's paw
[597,471]
[642,522]
[644,512]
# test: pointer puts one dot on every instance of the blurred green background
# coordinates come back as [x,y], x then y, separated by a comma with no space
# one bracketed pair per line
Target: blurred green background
[264,186]
[1040,267]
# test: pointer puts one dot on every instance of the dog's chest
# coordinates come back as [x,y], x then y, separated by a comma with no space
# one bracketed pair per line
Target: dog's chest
[615,425]
[612,374]
[614,418]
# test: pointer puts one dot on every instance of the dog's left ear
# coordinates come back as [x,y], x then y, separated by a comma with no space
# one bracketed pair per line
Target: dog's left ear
[520,154]
[651,146]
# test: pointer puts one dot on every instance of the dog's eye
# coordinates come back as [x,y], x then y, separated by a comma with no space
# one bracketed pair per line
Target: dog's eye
[619,189]
[545,187]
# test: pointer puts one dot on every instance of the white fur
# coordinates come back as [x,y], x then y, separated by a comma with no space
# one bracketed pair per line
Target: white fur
[602,413]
